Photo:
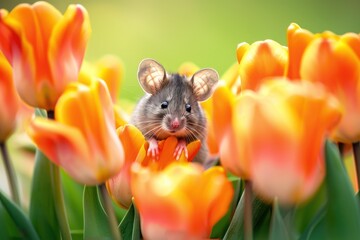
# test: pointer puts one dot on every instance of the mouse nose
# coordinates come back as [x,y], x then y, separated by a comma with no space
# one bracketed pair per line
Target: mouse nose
[175,123]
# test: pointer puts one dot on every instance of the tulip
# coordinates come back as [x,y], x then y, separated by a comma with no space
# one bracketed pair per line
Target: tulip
[45,49]
[259,61]
[275,137]
[119,186]
[110,69]
[181,202]
[8,99]
[135,149]
[335,62]
[82,139]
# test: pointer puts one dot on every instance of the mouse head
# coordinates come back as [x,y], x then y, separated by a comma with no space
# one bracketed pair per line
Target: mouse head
[174,98]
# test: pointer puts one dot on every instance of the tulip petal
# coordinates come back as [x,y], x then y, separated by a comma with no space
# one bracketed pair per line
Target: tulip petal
[298,39]
[65,146]
[9,102]
[67,45]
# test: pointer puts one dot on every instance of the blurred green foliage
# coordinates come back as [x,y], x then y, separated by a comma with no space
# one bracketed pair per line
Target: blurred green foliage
[205,32]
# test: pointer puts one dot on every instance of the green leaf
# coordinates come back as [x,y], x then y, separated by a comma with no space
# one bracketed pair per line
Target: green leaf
[22,223]
[278,228]
[95,220]
[220,227]
[42,208]
[236,227]
[309,211]
[342,209]
[130,225]
[73,195]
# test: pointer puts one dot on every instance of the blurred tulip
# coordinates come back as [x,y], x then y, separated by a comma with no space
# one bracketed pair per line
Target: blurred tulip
[335,62]
[82,139]
[181,202]
[119,186]
[275,137]
[9,102]
[45,49]
[110,69]
[337,65]
[188,69]
[260,60]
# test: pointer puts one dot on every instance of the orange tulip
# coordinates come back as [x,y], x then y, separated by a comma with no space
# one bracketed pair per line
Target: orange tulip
[275,137]
[82,139]
[9,102]
[181,202]
[259,61]
[335,62]
[45,49]
[119,186]
[135,149]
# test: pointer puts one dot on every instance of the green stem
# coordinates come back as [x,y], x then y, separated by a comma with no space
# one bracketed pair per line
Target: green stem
[110,212]
[14,190]
[59,197]
[248,226]
[356,150]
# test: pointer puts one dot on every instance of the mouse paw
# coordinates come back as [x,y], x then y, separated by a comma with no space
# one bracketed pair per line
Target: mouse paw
[153,150]
[181,146]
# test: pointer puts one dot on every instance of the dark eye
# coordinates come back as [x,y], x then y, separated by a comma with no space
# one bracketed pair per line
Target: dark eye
[164,104]
[188,107]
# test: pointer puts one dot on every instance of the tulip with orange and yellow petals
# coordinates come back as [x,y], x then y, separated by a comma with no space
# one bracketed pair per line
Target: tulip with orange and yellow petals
[335,62]
[181,202]
[275,137]
[119,186]
[9,102]
[135,149]
[82,139]
[45,49]
[259,61]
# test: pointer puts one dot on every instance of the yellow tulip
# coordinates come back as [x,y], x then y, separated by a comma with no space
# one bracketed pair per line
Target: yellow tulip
[181,202]
[8,100]
[45,49]
[82,139]
[275,137]
[110,69]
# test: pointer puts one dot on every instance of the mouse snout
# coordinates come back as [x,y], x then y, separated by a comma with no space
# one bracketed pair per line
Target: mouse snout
[175,124]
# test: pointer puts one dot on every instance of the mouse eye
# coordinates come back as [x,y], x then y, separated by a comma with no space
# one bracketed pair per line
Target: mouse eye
[188,107]
[164,104]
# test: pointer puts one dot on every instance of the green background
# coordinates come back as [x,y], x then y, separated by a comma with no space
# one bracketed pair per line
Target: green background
[204,32]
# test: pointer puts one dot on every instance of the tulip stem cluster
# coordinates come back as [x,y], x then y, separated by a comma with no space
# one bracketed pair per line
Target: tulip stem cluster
[109,211]
[356,149]
[10,174]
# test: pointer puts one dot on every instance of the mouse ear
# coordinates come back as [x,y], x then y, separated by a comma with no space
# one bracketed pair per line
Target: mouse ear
[203,82]
[151,75]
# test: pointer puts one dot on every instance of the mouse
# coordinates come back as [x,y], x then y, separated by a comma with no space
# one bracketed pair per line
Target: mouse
[170,107]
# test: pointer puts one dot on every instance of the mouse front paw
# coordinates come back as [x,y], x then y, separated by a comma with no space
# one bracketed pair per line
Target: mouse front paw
[153,150]
[181,146]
